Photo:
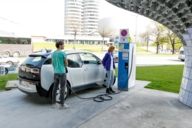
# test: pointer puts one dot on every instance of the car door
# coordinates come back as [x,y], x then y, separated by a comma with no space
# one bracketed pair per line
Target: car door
[93,69]
[75,70]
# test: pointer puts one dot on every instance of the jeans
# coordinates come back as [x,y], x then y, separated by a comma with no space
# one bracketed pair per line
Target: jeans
[110,78]
[59,79]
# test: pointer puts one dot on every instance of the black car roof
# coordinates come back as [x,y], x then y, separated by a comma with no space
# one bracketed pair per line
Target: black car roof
[45,54]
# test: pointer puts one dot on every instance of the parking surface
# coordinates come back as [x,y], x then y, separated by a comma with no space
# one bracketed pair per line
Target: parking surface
[144,108]
[137,108]
[17,110]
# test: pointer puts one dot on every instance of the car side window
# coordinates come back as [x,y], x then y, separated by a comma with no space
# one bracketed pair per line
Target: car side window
[74,61]
[88,58]
[48,61]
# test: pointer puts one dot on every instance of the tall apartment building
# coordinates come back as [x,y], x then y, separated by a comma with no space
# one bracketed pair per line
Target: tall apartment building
[73,17]
[81,17]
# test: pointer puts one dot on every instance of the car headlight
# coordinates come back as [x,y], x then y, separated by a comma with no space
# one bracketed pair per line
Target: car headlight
[30,70]
[23,68]
[35,70]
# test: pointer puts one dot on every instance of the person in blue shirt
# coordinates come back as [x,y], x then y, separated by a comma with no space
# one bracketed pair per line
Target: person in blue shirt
[59,63]
[109,65]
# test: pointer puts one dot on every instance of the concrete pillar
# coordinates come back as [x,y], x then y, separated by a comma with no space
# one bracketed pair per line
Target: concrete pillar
[185,95]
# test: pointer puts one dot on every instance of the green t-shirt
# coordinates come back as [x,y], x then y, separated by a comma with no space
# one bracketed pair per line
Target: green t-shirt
[58,58]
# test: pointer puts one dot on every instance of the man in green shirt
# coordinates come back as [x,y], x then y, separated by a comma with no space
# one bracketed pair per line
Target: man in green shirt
[59,63]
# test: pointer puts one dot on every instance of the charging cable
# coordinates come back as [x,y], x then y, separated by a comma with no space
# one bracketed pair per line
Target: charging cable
[97,98]
[105,96]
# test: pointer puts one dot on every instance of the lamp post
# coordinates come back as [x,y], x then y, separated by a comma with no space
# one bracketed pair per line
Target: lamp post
[136,18]
[74,41]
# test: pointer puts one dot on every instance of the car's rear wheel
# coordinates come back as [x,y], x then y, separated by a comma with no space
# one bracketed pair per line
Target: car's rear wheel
[66,93]
[6,71]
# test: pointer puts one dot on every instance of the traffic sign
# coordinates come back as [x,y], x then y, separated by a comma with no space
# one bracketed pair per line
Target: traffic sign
[124,35]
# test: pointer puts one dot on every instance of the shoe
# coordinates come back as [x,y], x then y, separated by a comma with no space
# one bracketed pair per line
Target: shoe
[63,106]
[66,106]
[108,91]
[111,90]
[56,105]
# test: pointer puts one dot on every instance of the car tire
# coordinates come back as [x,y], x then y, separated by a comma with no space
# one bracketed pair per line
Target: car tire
[16,54]
[7,53]
[67,92]
[6,71]
[10,63]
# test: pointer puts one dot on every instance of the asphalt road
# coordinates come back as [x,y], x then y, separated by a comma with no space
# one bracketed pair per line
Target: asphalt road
[144,60]
[147,59]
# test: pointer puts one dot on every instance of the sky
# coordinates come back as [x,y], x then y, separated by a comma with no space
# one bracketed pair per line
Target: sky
[46,17]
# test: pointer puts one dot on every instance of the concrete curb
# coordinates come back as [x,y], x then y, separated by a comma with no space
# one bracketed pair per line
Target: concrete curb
[11,84]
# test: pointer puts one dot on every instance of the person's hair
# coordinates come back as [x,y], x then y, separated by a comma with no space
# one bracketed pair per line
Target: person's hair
[111,48]
[58,43]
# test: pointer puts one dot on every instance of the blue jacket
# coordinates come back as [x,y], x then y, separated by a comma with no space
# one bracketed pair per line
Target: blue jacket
[107,61]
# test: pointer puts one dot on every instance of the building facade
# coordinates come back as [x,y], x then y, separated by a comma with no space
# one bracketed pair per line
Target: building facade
[81,17]
[73,17]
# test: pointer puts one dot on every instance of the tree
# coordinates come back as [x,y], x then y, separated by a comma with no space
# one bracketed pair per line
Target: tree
[106,28]
[146,36]
[73,27]
[159,33]
[173,40]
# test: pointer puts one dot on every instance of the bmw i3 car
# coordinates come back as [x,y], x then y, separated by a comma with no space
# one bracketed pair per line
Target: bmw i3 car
[84,70]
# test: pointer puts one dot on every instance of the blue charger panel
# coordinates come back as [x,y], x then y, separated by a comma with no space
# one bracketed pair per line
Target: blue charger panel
[123,66]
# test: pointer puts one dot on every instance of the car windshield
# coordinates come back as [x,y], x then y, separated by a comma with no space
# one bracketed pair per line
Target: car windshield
[34,60]
[181,52]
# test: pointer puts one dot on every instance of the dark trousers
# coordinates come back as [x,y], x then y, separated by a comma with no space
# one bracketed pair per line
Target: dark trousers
[59,79]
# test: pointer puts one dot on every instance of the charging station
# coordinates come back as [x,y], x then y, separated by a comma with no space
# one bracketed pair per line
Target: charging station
[126,62]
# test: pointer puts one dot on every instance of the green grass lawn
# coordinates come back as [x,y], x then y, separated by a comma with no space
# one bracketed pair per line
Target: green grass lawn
[5,78]
[166,78]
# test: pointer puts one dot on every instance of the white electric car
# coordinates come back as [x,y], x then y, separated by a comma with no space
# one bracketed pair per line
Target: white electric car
[181,55]
[9,61]
[84,70]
